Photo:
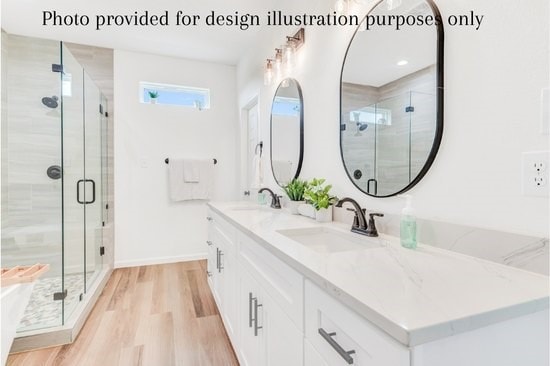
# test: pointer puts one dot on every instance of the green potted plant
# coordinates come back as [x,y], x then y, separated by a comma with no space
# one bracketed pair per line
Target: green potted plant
[318,195]
[153,94]
[295,192]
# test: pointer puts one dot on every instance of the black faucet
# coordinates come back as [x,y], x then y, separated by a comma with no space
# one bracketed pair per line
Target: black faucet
[359,225]
[275,200]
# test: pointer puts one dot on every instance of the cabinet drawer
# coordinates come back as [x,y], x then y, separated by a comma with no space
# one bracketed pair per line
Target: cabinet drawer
[333,329]
[283,284]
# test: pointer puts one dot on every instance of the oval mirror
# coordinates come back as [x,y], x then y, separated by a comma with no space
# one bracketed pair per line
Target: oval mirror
[391,97]
[287,132]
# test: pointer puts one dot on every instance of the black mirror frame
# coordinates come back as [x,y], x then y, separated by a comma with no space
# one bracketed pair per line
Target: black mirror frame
[439,105]
[301,157]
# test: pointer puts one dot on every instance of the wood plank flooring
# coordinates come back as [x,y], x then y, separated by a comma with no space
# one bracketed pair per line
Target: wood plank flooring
[161,315]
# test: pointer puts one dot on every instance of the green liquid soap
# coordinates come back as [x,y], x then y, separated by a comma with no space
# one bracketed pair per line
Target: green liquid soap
[408,232]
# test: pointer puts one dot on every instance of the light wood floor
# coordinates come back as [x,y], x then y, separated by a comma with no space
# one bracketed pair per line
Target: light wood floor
[160,315]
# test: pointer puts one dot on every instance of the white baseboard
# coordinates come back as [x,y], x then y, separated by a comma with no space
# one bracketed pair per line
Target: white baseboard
[159,260]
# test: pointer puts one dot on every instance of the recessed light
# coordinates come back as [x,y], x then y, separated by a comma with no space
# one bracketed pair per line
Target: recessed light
[402,63]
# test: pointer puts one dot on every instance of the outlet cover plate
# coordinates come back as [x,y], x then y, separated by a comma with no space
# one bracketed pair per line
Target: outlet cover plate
[535,173]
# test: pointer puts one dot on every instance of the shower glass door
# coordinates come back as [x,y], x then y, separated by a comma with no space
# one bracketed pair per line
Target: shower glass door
[92,187]
[74,184]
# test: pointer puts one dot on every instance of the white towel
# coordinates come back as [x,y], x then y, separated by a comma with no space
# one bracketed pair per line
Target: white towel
[180,190]
[191,171]
[258,173]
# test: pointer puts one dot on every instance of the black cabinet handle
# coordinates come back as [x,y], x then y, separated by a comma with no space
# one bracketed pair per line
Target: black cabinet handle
[218,259]
[346,355]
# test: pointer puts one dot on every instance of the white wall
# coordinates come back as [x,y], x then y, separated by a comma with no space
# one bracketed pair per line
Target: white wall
[493,80]
[150,228]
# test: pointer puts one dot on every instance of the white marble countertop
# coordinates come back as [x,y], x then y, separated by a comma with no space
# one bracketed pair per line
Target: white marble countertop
[416,296]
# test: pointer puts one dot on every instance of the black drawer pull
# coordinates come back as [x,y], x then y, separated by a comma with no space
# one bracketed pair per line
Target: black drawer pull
[346,355]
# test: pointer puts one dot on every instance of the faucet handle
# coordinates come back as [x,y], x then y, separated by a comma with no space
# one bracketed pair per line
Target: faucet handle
[355,218]
[371,227]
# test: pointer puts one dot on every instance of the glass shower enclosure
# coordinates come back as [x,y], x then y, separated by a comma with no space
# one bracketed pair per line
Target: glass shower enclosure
[53,175]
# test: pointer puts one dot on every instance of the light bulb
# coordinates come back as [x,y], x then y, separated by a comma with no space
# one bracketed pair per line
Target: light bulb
[278,64]
[289,55]
[268,73]
[340,6]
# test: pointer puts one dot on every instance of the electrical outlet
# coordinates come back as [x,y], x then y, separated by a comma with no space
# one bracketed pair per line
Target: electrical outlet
[535,174]
[540,181]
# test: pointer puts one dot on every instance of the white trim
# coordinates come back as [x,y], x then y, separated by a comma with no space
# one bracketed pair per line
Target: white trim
[159,260]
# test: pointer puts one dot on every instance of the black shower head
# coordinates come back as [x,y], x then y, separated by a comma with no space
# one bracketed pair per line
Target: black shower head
[50,102]
[362,126]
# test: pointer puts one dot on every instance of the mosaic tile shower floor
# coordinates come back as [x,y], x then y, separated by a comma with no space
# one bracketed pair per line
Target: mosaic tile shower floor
[43,311]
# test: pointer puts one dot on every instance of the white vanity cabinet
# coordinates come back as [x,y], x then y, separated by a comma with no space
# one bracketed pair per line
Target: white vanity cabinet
[267,335]
[271,302]
[259,297]
[222,269]
[276,314]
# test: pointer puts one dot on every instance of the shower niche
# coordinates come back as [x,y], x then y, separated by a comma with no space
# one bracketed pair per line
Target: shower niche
[54,164]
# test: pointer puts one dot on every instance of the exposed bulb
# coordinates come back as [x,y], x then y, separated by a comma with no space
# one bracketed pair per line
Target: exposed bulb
[340,6]
[289,55]
[278,63]
[268,73]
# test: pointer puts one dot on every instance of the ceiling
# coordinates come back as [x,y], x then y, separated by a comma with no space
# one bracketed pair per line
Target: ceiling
[223,44]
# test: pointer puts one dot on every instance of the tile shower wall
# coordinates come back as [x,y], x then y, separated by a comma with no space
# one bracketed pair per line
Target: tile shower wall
[31,217]
[415,90]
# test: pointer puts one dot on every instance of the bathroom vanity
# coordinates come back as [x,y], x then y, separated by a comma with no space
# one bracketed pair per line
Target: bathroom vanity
[295,292]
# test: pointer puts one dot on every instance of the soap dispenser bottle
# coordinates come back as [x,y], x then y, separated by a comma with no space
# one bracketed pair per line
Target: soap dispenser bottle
[408,225]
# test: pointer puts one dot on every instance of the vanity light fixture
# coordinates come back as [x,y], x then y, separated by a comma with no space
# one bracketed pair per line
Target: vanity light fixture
[293,43]
[268,72]
[284,57]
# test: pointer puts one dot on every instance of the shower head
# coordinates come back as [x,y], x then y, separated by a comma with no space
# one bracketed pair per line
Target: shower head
[50,102]
[362,126]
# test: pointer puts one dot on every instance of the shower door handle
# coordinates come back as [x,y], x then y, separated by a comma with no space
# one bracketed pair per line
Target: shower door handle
[78,191]
[93,191]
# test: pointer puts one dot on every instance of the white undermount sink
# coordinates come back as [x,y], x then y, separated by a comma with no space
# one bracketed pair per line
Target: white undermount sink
[327,240]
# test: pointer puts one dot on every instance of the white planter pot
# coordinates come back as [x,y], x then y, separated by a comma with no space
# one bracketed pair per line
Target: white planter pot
[324,215]
[307,210]
[293,207]
[153,100]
